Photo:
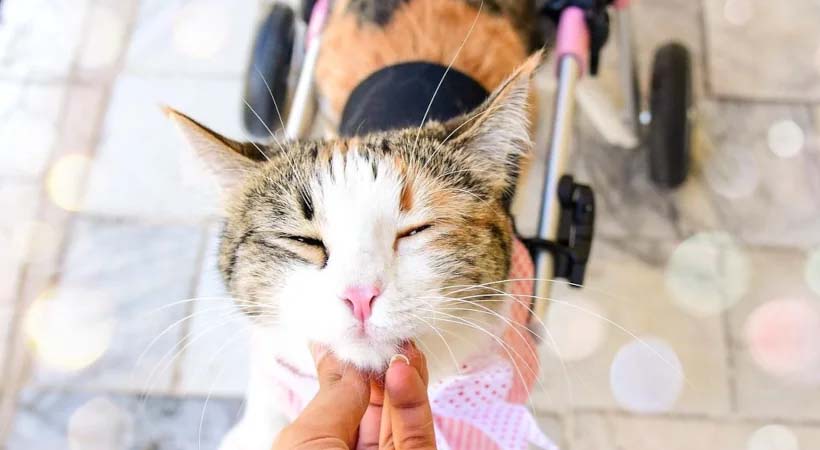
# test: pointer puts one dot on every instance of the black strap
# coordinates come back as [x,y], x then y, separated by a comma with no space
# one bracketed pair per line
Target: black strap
[397,97]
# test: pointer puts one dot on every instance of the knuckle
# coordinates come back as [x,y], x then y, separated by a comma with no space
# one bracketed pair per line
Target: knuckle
[417,441]
[410,404]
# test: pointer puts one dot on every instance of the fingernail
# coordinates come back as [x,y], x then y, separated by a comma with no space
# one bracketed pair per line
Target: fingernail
[399,357]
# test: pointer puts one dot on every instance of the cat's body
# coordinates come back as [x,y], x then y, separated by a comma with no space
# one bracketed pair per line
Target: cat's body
[412,220]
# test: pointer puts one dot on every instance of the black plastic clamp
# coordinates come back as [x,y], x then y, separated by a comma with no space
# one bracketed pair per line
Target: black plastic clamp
[571,249]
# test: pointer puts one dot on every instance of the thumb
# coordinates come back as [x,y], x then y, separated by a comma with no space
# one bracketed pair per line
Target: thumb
[411,419]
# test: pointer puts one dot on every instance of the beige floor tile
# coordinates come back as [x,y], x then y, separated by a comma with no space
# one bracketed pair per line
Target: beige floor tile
[762,159]
[211,37]
[39,38]
[143,167]
[62,419]
[29,122]
[102,325]
[551,425]
[626,286]
[758,50]
[766,386]
[611,432]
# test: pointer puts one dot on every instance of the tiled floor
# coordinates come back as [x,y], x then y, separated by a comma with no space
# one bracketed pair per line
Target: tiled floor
[698,327]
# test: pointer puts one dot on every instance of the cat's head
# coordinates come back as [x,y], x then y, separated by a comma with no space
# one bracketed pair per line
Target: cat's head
[352,243]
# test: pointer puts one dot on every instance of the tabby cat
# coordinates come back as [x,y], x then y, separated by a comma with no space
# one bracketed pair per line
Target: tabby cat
[358,242]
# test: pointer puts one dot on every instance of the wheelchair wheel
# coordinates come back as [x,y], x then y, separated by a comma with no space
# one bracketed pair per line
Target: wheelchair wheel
[271,59]
[669,136]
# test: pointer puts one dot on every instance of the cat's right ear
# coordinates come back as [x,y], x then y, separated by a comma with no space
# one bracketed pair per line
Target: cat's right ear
[229,161]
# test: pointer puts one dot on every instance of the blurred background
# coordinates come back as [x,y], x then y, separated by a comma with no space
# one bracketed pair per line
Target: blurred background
[699,326]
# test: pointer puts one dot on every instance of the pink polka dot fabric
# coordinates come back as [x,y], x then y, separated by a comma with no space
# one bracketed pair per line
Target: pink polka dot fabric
[473,411]
[484,407]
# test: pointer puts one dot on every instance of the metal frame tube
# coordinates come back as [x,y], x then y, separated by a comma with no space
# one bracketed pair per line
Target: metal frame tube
[627,68]
[569,73]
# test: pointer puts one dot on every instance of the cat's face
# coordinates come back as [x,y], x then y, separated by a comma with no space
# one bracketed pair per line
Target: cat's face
[355,243]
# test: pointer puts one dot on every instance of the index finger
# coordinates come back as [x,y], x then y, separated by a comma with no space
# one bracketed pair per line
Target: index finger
[331,419]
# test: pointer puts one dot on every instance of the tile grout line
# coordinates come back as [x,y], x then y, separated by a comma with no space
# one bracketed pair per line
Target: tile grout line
[32,283]
[731,363]
[704,47]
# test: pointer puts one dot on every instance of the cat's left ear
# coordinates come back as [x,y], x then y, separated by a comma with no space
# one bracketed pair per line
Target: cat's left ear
[231,162]
[498,132]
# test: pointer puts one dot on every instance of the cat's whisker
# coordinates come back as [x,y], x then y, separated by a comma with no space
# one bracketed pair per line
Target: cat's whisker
[611,322]
[172,326]
[444,341]
[162,365]
[446,71]
[222,348]
[494,314]
[301,185]
[547,280]
[272,98]
[550,337]
[182,302]
[490,109]
[504,346]
[278,115]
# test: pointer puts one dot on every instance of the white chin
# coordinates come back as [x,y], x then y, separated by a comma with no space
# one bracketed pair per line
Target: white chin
[365,355]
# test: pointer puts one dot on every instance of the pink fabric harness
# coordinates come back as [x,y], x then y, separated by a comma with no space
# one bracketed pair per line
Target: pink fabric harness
[483,407]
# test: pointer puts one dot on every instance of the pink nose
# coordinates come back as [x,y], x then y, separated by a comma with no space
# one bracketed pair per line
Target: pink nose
[360,300]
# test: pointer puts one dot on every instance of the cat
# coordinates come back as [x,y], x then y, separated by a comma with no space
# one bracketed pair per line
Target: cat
[361,243]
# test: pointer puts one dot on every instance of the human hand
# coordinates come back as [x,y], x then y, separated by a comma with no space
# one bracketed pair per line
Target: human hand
[399,415]
[351,411]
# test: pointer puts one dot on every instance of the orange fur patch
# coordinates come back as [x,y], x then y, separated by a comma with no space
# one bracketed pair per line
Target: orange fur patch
[420,30]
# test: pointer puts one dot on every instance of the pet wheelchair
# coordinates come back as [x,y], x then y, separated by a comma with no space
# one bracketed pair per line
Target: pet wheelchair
[287,47]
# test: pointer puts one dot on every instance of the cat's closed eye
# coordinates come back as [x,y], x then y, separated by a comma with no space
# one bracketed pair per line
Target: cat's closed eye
[313,242]
[413,231]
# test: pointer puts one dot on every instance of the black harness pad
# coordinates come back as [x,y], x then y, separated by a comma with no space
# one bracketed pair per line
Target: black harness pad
[398,96]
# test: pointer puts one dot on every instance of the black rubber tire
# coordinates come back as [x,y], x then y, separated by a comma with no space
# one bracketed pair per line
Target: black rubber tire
[307,8]
[670,132]
[271,58]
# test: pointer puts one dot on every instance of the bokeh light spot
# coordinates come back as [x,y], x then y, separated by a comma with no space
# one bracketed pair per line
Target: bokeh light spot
[200,29]
[738,12]
[812,270]
[782,337]
[575,329]
[104,42]
[646,376]
[69,329]
[64,182]
[707,273]
[100,424]
[786,138]
[772,437]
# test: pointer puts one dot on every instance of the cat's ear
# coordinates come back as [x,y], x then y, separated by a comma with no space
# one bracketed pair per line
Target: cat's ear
[229,161]
[498,132]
